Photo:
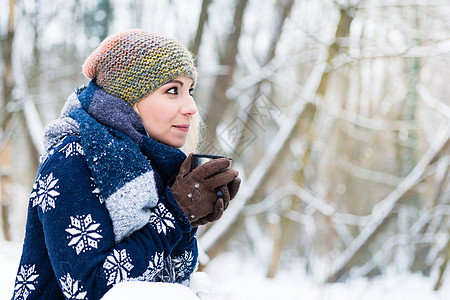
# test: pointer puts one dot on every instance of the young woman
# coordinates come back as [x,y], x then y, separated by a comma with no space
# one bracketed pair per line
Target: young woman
[115,198]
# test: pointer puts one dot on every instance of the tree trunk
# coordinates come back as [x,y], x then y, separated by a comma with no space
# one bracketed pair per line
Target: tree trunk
[219,100]
[5,186]
[195,46]
[214,236]
[106,6]
[5,142]
[8,78]
[443,267]
[275,235]
[252,110]
[342,32]
[336,48]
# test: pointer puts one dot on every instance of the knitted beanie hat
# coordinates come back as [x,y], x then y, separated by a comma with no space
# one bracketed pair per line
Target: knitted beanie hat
[132,64]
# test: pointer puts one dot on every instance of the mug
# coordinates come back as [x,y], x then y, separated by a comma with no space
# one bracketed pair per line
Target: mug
[200,159]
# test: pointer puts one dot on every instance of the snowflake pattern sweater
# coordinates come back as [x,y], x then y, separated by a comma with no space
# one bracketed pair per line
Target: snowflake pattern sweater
[71,250]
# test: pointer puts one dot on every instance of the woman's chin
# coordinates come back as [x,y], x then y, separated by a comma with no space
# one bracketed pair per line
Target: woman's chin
[175,143]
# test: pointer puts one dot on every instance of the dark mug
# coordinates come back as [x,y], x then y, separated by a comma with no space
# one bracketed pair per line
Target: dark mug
[200,159]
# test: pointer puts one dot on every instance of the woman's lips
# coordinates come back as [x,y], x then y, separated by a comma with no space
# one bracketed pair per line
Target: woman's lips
[184,128]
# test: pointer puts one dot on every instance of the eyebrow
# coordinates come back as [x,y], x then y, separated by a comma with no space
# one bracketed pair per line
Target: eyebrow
[179,82]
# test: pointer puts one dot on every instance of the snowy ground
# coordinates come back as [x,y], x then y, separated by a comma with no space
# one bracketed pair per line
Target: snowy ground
[233,277]
[238,279]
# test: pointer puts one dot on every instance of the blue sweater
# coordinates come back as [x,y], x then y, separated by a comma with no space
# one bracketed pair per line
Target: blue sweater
[70,250]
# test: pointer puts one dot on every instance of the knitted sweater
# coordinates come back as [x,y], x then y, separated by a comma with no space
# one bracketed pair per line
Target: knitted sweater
[70,249]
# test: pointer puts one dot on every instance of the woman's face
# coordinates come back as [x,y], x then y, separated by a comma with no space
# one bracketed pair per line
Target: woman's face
[167,112]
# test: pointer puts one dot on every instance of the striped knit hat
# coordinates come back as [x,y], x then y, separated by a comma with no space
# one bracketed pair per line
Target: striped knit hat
[132,64]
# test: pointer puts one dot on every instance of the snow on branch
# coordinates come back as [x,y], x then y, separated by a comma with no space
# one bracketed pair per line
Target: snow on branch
[368,174]
[271,200]
[369,123]
[34,124]
[384,209]
[31,114]
[300,218]
[258,73]
[256,178]
[413,235]
[312,200]
[438,105]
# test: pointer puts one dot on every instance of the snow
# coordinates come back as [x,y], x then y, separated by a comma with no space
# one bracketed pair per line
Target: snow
[236,278]
[230,276]
[137,290]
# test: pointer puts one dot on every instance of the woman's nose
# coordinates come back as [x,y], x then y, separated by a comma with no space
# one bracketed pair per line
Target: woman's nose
[189,106]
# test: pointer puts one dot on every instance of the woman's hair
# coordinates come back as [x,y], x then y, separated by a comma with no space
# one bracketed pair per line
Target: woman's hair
[195,134]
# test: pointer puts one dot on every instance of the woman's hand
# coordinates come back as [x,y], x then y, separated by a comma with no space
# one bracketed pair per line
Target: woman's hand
[205,192]
[226,194]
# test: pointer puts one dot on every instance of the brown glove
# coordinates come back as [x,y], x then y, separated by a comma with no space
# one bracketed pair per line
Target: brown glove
[226,194]
[232,188]
[196,191]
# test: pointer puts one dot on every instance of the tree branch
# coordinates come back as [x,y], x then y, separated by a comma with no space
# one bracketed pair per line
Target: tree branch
[260,172]
[385,208]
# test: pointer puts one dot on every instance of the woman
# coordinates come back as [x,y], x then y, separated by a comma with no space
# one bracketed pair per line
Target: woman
[115,198]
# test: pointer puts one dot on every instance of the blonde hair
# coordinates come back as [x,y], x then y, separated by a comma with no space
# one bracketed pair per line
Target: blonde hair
[194,135]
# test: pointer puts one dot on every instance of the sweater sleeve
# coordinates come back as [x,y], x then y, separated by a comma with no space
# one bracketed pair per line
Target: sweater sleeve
[79,235]
[185,253]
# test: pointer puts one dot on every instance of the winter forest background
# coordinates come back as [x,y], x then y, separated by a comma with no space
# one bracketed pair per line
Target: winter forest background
[336,114]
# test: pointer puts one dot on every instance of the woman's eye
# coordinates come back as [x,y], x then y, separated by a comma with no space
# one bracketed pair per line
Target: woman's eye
[173,91]
[191,92]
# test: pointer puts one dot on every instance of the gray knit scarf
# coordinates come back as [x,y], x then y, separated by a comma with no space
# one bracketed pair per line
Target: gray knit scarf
[119,154]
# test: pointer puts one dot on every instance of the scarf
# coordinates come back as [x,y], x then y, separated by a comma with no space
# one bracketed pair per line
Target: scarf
[118,153]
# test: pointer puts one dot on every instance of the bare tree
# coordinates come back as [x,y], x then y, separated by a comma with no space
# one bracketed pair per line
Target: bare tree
[262,170]
[219,99]
[195,45]
[386,207]
[354,168]
[6,124]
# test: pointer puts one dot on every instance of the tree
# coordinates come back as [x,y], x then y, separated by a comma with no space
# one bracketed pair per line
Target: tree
[195,45]
[219,99]
[335,113]
[6,124]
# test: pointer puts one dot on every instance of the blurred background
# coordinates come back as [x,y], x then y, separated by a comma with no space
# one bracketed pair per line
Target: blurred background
[336,114]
